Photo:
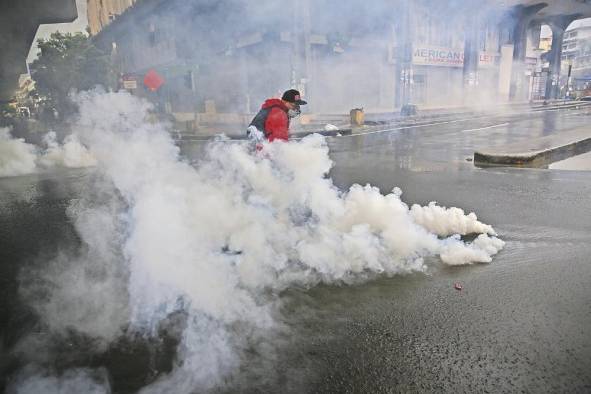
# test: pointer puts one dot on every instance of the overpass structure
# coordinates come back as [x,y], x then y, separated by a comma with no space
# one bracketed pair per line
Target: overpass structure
[530,15]
[519,22]
[19,20]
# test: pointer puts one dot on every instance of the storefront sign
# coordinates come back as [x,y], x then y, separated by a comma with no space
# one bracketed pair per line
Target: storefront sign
[487,59]
[448,57]
[129,82]
[437,56]
[130,85]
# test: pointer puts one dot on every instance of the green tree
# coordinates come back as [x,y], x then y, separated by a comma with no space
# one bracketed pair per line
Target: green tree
[69,62]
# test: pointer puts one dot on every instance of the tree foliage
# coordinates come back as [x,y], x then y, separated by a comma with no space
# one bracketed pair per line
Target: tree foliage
[69,62]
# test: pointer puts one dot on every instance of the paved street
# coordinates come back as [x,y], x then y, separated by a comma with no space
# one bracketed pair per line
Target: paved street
[520,323]
[447,143]
[297,197]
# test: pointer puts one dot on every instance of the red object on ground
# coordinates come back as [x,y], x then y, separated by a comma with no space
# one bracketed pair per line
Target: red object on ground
[457,286]
[153,80]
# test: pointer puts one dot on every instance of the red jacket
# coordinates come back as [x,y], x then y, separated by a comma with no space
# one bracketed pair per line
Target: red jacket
[276,124]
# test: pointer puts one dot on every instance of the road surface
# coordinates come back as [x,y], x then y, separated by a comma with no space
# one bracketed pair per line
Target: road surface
[520,323]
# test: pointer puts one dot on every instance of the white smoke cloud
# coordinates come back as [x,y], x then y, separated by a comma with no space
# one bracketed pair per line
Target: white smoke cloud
[479,251]
[70,154]
[34,381]
[89,288]
[219,239]
[18,157]
[447,221]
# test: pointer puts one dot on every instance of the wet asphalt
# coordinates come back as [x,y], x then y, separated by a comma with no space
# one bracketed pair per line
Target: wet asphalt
[520,324]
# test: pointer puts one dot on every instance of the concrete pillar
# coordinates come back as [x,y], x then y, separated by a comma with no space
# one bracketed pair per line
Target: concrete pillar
[471,57]
[533,36]
[522,17]
[244,82]
[307,24]
[505,71]
[296,66]
[558,26]
[302,58]
[404,57]
[553,81]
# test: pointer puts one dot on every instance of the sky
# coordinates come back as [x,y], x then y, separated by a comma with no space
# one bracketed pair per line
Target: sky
[546,32]
[44,31]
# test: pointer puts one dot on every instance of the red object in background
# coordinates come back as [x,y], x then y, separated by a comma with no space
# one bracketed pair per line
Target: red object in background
[457,286]
[152,80]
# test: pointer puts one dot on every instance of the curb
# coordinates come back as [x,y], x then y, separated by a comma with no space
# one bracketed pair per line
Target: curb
[535,158]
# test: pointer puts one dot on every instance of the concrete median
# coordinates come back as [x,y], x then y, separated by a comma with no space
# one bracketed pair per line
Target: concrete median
[537,152]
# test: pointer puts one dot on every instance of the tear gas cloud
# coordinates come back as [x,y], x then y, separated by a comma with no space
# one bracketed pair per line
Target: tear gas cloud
[70,153]
[32,381]
[18,157]
[218,240]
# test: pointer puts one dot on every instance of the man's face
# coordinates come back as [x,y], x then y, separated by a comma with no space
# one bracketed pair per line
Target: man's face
[293,110]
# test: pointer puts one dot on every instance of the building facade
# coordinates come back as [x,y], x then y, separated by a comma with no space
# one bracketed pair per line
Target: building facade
[577,39]
[220,59]
[102,12]
[576,54]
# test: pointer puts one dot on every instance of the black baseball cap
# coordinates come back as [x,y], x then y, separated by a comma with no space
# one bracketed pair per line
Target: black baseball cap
[293,96]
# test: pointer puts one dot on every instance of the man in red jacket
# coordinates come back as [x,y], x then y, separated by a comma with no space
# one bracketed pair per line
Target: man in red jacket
[273,118]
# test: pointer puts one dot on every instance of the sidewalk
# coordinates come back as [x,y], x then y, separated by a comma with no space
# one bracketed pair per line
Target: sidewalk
[376,120]
[538,152]
[426,115]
